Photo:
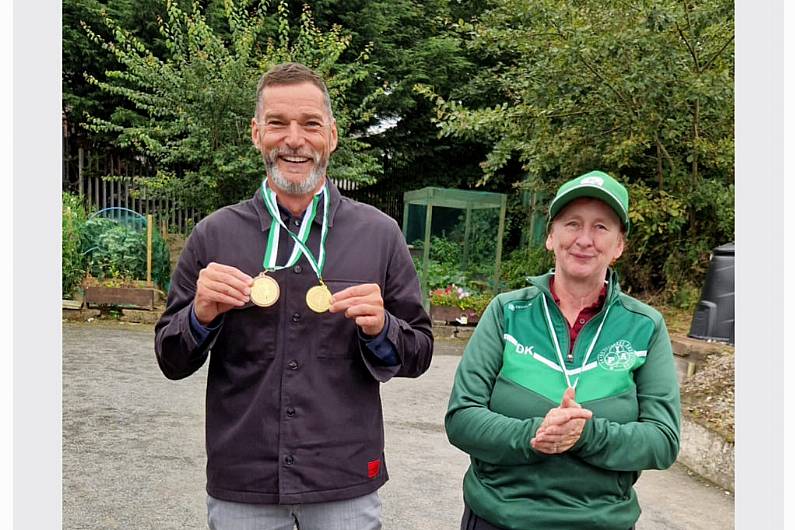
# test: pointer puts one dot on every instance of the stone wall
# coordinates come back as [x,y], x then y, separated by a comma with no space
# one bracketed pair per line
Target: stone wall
[707,453]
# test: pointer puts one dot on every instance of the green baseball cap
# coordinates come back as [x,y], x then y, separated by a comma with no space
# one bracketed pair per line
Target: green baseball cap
[598,185]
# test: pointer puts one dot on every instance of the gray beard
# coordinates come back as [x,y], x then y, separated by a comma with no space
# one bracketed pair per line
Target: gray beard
[309,185]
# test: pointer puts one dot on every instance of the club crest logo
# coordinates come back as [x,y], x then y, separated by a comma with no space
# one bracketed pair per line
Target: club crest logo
[593,181]
[618,357]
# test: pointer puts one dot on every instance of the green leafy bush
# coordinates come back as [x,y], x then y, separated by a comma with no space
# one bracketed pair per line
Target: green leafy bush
[643,94]
[670,247]
[525,262]
[73,262]
[444,251]
[444,274]
[446,267]
[117,250]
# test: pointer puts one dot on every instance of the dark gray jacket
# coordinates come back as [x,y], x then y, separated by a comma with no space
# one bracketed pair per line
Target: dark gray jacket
[293,404]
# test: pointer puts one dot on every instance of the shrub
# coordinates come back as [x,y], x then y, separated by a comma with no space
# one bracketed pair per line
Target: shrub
[117,250]
[73,262]
[667,251]
[523,263]
[445,266]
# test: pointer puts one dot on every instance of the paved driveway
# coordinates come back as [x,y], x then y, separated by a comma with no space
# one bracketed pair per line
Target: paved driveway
[133,446]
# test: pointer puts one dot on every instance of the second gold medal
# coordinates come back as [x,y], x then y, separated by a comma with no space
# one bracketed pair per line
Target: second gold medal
[318,298]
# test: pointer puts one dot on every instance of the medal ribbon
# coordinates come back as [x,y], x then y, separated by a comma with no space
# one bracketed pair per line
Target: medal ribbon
[269,261]
[557,345]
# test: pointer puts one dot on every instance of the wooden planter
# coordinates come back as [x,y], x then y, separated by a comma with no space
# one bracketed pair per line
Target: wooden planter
[133,297]
[453,315]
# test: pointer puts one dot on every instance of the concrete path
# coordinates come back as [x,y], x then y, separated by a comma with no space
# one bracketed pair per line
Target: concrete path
[133,446]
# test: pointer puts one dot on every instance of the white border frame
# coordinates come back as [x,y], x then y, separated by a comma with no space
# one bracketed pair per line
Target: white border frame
[765,136]
[36,260]
[7,367]
[761,270]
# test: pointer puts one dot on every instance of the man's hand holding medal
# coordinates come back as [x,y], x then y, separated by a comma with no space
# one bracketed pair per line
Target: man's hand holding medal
[220,288]
[364,305]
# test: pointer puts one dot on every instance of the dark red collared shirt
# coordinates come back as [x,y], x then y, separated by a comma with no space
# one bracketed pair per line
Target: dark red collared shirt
[586,314]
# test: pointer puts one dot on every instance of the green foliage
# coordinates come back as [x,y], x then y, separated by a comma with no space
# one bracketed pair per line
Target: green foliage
[441,274]
[409,45]
[523,263]
[446,265]
[189,108]
[667,249]
[107,249]
[645,88]
[117,250]
[481,245]
[642,90]
[444,251]
[73,262]
[82,56]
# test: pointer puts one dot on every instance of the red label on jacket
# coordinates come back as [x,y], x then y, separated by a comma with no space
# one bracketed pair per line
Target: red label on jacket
[373,467]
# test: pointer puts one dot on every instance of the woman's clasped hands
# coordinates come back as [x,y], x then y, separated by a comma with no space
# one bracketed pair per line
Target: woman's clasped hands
[562,426]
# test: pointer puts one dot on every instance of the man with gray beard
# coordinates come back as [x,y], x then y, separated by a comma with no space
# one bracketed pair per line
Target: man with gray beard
[304,301]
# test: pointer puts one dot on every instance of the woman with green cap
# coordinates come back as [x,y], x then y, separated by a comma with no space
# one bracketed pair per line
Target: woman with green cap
[567,389]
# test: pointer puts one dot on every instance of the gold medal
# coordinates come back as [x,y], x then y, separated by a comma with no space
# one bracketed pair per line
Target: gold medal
[318,298]
[265,290]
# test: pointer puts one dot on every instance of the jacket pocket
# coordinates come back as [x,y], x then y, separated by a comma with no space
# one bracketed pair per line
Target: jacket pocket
[338,335]
[249,334]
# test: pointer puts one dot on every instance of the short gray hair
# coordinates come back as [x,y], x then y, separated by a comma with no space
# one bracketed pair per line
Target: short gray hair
[291,74]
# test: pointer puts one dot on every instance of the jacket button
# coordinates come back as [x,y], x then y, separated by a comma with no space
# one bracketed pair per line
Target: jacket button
[292,365]
[297,269]
[296,317]
[289,460]
[291,412]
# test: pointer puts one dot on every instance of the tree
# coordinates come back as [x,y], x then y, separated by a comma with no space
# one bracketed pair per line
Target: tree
[642,89]
[188,110]
[83,56]
[409,43]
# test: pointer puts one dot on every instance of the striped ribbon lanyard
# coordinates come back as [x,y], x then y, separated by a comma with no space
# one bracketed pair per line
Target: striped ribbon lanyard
[272,249]
[557,345]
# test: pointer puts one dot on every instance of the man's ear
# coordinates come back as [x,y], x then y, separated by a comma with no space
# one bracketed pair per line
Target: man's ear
[255,133]
[333,143]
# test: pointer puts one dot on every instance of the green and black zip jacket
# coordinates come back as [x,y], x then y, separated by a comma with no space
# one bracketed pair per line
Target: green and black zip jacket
[510,377]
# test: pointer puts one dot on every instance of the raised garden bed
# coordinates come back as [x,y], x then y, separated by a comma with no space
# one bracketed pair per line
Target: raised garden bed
[131,294]
[133,297]
[454,315]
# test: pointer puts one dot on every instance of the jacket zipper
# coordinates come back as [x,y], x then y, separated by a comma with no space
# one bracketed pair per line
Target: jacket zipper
[570,352]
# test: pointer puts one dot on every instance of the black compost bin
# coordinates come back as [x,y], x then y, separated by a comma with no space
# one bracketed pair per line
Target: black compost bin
[714,315]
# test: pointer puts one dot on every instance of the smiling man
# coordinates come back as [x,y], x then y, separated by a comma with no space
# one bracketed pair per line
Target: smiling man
[305,302]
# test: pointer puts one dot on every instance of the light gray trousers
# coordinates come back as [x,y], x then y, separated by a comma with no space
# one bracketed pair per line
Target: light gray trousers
[361,513]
